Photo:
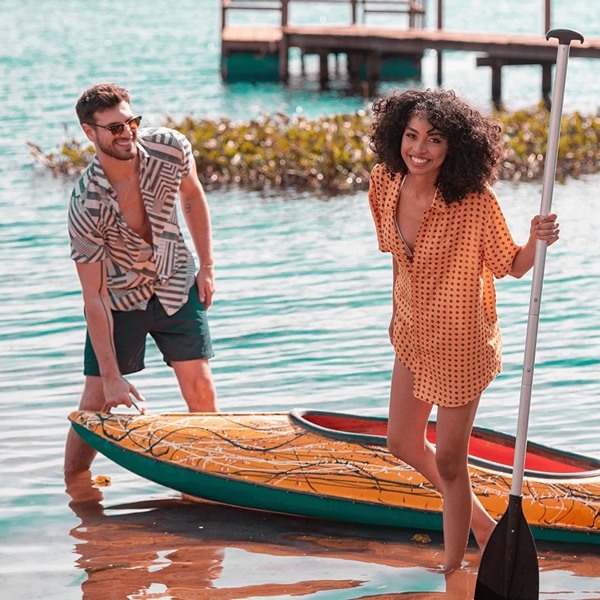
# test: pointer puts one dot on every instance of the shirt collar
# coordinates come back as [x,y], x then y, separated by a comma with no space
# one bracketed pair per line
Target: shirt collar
[438,201]
[96,174]
[144,156]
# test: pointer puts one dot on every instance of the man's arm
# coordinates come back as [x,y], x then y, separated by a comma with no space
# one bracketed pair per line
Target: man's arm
[99,320]
[197,218]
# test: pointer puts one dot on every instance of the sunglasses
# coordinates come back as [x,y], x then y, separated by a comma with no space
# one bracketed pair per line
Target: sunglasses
[117,128]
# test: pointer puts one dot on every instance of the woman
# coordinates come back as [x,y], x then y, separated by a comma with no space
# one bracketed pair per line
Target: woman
[435,212]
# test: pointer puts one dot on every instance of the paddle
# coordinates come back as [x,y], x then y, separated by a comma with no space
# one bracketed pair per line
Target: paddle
[509,565]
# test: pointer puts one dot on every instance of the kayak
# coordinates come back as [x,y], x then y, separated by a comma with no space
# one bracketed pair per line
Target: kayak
[336,466]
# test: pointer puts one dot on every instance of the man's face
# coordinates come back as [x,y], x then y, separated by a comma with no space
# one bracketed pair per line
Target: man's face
[120,145]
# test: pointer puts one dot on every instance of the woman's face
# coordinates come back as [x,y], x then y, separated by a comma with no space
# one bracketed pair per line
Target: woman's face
[423,147]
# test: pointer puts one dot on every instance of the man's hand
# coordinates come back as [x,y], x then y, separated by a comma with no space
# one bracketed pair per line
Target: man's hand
[119,391]
[205,280]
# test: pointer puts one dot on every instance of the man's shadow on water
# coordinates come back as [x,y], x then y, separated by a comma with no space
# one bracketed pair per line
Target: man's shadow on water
[188,549]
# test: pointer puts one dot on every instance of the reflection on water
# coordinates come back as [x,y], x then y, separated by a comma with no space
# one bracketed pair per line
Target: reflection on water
[184,549]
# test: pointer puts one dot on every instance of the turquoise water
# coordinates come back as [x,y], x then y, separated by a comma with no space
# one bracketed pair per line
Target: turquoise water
[300,317]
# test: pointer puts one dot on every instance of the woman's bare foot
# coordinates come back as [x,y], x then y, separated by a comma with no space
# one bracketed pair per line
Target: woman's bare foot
[460,583]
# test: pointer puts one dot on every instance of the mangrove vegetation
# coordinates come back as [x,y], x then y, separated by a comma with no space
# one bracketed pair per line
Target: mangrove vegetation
[330,154]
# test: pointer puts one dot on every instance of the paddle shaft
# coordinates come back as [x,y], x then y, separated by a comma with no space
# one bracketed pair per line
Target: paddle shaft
[565,37]
[509,568]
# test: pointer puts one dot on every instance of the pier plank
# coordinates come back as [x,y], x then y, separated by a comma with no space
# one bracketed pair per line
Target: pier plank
[417,40]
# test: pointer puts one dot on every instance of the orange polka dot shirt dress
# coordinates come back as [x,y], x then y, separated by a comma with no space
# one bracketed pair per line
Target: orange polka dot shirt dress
[446,329]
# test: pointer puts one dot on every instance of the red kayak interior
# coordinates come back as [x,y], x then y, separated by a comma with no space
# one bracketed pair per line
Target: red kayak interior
[485,445]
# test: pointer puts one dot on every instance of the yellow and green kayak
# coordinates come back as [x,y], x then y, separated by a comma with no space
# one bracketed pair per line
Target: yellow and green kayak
[336,466]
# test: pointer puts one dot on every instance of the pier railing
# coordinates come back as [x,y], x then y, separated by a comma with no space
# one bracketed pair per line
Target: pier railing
[359,10]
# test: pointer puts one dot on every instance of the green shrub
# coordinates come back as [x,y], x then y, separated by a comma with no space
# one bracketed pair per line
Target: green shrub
[331,155]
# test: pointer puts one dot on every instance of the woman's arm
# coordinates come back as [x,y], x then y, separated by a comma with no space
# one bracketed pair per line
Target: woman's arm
[542,228]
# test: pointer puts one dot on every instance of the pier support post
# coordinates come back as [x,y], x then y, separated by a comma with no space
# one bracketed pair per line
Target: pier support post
[547,84]
[497,84]
[323,68]
[373,70]
[354,60]
[284,57]
[497,62]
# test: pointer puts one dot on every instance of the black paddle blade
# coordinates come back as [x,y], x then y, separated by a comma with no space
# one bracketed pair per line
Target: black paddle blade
[509,565]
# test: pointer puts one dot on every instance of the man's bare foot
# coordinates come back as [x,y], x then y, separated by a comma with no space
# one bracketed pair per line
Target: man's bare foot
[86,498]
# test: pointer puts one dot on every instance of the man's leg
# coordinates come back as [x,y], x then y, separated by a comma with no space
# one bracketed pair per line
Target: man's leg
[196,383]
[78,455]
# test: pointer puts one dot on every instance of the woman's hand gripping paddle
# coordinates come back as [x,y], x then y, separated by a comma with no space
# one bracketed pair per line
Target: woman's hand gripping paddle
[509,565]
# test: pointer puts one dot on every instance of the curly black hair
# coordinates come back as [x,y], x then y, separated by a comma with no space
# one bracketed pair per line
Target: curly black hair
[474,140]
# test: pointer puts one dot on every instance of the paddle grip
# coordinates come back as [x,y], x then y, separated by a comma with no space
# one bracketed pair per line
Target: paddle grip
[565,36]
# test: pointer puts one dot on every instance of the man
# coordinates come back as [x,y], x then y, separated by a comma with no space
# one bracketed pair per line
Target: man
[137,275]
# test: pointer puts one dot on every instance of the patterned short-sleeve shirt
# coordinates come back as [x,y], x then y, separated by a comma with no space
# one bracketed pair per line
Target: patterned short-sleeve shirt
[446,329]
[135,269]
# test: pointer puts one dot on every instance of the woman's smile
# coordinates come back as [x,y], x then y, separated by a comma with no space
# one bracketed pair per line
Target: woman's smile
[423,147]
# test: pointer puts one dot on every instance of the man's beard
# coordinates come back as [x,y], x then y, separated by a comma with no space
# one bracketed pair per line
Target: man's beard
[115,151]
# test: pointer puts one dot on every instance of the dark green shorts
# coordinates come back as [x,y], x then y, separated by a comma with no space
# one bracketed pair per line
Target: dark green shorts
[182,336]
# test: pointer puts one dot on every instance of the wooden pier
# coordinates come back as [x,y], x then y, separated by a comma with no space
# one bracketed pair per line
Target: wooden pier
[402,39]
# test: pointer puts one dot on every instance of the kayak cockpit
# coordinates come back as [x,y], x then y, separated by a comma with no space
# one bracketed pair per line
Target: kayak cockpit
[487,449]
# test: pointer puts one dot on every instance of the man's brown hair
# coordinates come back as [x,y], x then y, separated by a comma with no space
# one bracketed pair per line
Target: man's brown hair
[98,98]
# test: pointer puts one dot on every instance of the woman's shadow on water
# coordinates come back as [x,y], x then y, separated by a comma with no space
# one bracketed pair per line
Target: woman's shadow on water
[187,549]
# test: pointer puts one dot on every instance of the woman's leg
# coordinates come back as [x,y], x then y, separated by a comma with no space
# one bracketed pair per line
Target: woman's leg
[454,426]
[407,426]
[452,446]
[407,440]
